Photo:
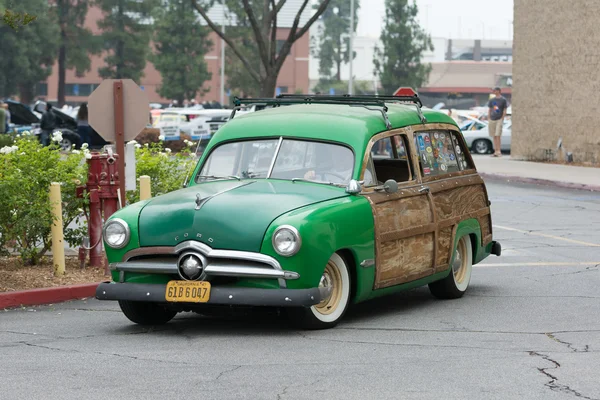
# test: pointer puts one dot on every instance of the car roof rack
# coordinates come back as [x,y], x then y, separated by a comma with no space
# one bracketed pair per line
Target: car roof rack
[365,101]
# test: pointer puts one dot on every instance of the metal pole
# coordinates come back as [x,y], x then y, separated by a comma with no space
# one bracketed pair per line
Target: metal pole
[351,50]
[223,58]
[58,244]
[120,135]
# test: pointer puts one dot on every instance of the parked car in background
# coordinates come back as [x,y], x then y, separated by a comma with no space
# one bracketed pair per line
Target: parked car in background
[190,121]
[67,125]
[480,142]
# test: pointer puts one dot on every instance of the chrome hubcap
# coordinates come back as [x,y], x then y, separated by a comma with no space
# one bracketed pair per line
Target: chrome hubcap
[481,147]
[330,287]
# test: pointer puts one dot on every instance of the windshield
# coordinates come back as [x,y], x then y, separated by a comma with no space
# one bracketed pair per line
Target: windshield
[295,160]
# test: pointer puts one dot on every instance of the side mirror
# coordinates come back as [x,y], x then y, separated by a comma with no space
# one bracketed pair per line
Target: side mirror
[390,186]
[353,187]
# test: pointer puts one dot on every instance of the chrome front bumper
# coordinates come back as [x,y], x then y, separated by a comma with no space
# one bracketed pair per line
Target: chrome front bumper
[232,263]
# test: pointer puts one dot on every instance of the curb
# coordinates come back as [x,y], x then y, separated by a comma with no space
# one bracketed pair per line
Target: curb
[536,181]
[36,297]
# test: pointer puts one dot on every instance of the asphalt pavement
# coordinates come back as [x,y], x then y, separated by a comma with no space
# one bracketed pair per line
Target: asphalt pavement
[528,328]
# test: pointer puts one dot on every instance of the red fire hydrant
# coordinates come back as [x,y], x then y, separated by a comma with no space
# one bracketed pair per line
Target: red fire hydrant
[103,188]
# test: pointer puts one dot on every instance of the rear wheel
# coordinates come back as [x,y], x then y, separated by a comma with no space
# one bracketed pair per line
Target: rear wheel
[144,313]
[335,285]
[482,146]
[456,283]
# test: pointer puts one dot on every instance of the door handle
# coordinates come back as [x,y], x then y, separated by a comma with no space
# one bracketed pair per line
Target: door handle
[424,189]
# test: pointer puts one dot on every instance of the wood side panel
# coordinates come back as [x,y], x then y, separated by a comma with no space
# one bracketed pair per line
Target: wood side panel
[402,260]
[463,200]
[459,201]
[444,248]
[404,213]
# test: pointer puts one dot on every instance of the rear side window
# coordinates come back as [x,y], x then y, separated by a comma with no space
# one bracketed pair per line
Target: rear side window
[439,153]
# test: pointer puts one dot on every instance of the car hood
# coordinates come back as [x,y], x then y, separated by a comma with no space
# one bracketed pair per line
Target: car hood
[233,214]
[20,114]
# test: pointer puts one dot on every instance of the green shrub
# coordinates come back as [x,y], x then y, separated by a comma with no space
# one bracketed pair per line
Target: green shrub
[26,171]
[6,140]
[167,170]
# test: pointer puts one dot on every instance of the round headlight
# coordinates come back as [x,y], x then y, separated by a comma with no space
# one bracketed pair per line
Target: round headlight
[116,233]
[286,240]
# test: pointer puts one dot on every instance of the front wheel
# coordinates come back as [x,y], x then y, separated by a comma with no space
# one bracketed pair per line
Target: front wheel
[335,284]
[144,313]
[455,284]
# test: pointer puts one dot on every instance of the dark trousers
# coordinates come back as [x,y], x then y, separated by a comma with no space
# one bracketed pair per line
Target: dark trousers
[45,138]
[85,133]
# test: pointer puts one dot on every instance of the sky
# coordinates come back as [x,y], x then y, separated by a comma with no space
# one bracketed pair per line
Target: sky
[455,19]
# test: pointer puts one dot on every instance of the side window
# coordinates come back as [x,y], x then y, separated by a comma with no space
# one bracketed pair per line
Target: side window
[463,163]
[439,153]
[390,160]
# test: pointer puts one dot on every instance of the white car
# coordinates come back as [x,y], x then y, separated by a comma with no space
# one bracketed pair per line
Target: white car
[480,141]
[190,121]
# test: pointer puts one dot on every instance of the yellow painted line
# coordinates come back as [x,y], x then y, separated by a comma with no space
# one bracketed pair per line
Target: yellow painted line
[540,264]
[547,236]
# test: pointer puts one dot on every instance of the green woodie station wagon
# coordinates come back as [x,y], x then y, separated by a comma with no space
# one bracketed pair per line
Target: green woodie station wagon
[312,204]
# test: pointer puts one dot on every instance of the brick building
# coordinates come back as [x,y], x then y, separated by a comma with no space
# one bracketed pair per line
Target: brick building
[293,75]
[555,90]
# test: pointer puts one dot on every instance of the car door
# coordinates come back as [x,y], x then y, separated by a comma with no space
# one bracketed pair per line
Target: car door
[457,191]
[405,220]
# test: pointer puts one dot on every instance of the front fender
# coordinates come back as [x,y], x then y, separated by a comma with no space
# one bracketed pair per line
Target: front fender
[324,228]
[129,214]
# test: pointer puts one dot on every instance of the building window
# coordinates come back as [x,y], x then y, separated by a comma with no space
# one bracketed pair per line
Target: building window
[279,45]
[79,89]
[41,89]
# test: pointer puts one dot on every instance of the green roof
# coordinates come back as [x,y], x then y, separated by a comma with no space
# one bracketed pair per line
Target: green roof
[352,125]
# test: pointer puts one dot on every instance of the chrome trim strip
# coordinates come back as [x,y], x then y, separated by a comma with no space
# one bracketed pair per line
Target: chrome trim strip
[210,269]
[274,157]
[367,263]
[148,267]
[249,272]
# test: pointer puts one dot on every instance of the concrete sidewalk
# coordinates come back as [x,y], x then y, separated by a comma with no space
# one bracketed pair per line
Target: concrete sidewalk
[586,178]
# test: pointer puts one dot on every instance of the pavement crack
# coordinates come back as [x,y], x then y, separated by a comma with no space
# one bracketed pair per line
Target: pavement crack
[552,336]
[283,392]
[235,368]
[107,354]
[400,344]
[553,384]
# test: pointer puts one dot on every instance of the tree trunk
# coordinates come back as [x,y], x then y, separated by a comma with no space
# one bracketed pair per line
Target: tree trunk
[338,74]
[62,52]
[26,93]
[62,71]
[268,84]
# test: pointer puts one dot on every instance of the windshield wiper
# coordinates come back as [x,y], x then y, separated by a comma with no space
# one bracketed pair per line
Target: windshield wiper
[219,177]
[317,181]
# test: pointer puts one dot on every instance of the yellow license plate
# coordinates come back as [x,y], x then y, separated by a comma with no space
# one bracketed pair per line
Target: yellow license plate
[188,291]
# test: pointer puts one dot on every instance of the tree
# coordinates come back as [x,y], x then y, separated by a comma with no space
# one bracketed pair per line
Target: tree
[16,20]
[76,41]
[262,18]
[180,52]
[404,41]
[126,34]
[333,38]
[29,53]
